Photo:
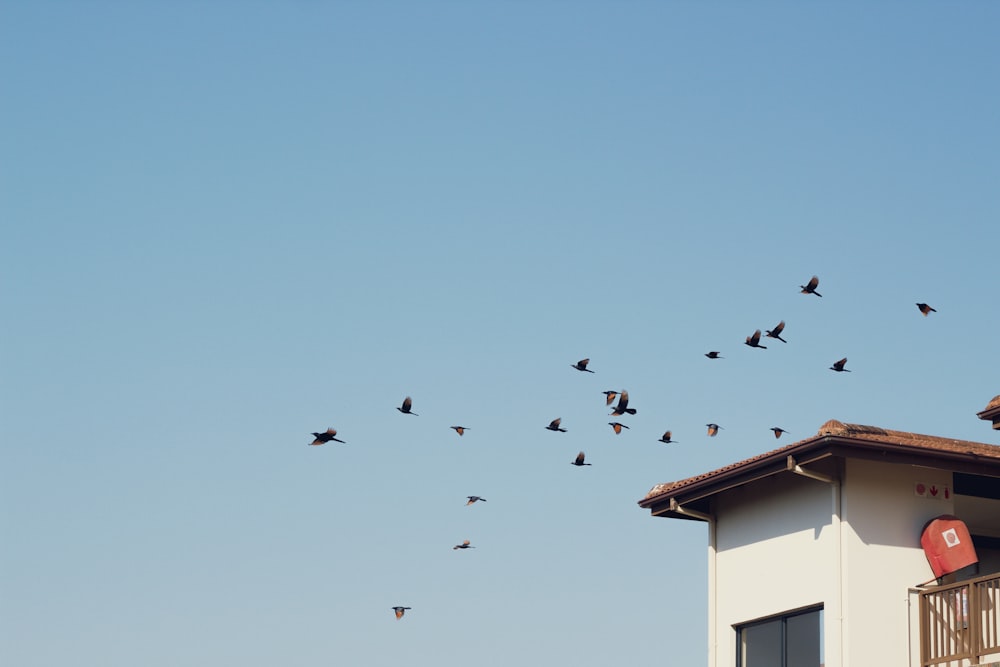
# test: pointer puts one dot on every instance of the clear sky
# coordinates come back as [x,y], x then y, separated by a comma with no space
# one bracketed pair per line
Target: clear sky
[226,225]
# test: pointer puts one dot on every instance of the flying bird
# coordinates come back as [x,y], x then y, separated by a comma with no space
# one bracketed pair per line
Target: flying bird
[713,355]
[327,436]
[713,429]
[405,408]
[611,395]
[754,340]
[778,431]
[460,429]
[617,427]
[810,287]
[473,499]
[622,407]
[582,365]
[839,366]
[925,309]
[579,461]
[776,332]
[666,438]
[400,611]
[554,425]
[463,545]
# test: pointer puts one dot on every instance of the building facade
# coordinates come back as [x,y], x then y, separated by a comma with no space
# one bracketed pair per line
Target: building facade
[815,556]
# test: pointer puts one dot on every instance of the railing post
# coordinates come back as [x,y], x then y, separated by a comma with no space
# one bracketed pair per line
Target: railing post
[924,639]
[975,621]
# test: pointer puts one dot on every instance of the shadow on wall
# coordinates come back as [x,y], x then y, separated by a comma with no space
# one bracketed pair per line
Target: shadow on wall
[779,505]
[883,503]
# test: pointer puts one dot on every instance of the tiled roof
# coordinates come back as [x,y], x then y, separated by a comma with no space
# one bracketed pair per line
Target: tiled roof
[916,440]
[858,435]
[660,489]
[992,412]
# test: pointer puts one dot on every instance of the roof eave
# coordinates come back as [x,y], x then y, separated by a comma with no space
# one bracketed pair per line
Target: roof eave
[752,471]
[991,415]
[812,450]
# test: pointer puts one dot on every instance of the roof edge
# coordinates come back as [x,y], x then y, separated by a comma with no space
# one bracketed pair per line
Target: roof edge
[838,439]
[991,412]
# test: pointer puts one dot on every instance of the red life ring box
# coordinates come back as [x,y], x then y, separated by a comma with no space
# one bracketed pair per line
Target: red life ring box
[947,545]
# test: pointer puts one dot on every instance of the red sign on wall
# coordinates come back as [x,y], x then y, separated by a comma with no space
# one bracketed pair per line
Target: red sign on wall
[932,491]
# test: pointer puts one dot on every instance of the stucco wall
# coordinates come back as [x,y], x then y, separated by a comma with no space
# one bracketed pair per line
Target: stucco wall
[883,517]
[776,551]
[780,546]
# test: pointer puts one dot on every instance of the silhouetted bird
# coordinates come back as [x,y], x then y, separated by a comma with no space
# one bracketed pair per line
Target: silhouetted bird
[778,431]
[582,365]
[473,499]
[405,409]
[610,396]
[622,407]
[713,355]
[617,427]
[810,287]
[839,366]
[400,611]
[463,545]
[666,438]
[754,340]
[579,461]
[776,332]
[925,309]
[713,429]
[554,425]
[460,429]
[325,437]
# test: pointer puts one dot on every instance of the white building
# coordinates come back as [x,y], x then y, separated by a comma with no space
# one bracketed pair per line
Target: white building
[814,551]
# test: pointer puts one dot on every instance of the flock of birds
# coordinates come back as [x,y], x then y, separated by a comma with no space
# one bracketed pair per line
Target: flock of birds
[621,407]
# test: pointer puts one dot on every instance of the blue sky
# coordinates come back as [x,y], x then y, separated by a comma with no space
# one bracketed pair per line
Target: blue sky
[227,225]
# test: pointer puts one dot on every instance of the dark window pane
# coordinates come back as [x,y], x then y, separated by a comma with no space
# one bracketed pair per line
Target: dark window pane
[761,644]
[976,485]
[802,640]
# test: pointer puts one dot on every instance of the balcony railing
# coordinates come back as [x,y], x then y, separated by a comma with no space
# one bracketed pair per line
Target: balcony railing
[959,623]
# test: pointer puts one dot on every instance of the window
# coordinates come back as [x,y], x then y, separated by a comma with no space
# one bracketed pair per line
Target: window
[979,486]
[793,639]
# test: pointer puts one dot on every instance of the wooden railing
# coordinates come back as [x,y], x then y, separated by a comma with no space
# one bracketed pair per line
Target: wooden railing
[959,623]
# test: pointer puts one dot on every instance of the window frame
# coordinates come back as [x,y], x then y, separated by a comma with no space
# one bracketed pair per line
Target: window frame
[783,618]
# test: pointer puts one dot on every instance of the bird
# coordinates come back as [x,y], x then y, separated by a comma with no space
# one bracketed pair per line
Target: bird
[778,431]
[554,425]
[666,438]
[582,365]
[622,407]
[327,436]
[611,395]
[463,545]
[925,309]
[713,429]
[713,355]
[839,366]
[579,461]
[400,611]
[460,429]
[776,332]
[405,408]
[617,426]
[810,287]
[754,340]
[473,499]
